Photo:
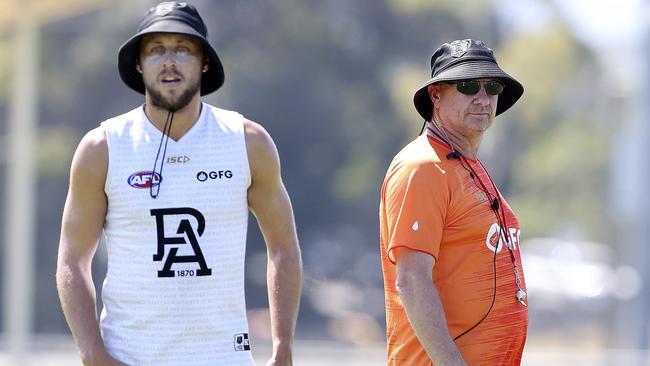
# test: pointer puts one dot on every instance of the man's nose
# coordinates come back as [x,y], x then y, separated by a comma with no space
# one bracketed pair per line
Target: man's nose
[169,58]
[482,97]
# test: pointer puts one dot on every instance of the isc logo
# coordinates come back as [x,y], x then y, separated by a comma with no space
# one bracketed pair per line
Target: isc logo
[178,159]
[144,179]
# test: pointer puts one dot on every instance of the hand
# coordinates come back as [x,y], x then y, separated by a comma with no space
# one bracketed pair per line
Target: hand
[277,362]
[106,360]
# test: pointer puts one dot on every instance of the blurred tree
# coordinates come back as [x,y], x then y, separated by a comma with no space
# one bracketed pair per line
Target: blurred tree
[552,150]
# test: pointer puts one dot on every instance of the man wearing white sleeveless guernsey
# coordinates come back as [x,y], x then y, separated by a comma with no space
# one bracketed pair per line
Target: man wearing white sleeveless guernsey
[170,184]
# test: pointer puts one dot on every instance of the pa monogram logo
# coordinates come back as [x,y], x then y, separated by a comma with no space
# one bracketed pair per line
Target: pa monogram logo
[186,235]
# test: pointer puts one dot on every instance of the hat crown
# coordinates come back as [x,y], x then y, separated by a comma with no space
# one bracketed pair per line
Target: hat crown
[174,11]
[458,52]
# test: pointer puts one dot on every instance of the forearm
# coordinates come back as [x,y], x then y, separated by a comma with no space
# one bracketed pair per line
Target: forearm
[427,317]
[77,296]
[284,279]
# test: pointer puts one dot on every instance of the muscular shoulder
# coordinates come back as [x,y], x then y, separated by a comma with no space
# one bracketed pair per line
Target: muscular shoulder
[262,153]
[91,157]
[258,139]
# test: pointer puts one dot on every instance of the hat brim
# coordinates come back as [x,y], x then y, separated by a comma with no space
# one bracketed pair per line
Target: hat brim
[128,54]
[479,69]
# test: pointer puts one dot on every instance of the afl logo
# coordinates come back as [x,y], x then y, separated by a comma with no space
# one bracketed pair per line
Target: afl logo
[144,179]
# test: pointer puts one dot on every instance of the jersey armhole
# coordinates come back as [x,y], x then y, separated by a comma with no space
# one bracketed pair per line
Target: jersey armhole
[107,182]
[246,165]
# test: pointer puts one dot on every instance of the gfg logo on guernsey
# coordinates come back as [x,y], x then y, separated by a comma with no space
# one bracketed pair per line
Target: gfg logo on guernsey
[496,238]
[219,174]
[144,179]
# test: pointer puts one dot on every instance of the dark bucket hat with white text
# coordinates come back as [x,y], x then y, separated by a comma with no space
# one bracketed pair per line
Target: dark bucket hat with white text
[170,17]
[463,60]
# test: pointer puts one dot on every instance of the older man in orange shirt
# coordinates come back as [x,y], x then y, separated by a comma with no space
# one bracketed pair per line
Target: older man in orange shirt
[454,286]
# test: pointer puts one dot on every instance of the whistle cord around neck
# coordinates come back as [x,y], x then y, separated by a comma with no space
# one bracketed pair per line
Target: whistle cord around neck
[165,137]
[497,208]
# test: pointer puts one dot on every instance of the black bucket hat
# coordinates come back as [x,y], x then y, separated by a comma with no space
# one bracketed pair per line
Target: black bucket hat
[462,60]
[170,17]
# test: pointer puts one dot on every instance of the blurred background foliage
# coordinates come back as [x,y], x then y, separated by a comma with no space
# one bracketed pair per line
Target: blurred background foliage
[333,82]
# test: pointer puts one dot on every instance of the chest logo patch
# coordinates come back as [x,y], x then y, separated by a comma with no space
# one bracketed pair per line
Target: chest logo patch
[202,176]
[144,179]
[181,159]
[187,234]
[496,238]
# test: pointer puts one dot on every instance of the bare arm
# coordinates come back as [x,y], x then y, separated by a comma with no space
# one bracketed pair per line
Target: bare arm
[269,201]
[83,219]
[424,308]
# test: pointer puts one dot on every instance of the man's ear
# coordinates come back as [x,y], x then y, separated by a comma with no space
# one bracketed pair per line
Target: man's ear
[137,66]
[434,93]
[206,64]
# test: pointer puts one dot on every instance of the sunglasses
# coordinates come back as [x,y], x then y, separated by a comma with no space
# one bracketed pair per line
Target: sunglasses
[471,87]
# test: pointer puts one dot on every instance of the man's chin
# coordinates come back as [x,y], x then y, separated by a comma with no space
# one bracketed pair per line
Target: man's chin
[170,100]
[171,97]
[166,104]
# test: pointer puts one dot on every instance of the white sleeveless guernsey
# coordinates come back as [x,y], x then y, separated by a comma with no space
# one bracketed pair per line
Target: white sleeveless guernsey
[174,288]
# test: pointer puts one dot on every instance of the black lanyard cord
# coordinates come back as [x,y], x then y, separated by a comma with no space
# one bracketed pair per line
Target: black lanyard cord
[165,137]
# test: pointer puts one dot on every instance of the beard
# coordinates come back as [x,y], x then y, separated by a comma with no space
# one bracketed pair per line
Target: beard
[172,103]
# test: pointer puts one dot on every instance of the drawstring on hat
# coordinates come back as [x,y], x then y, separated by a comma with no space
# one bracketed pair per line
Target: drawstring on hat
[165,137]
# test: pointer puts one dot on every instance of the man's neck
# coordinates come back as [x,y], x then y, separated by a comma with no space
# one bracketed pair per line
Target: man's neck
[466,147]
[183,121]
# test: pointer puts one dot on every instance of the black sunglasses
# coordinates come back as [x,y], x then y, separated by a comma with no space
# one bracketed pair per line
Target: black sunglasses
[471,87]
